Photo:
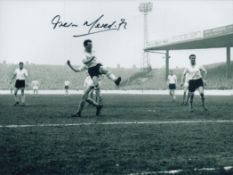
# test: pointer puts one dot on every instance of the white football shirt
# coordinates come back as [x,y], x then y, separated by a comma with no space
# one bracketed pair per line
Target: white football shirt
[194,72]
[89,59]
[172,79]
[35,83]
[21,74]
[67,83]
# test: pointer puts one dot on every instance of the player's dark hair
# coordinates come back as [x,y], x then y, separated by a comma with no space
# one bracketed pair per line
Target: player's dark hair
[192,55]
[20,62]
[86,41]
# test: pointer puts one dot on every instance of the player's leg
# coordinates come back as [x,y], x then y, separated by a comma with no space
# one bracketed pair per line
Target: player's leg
[170,92]
[185,93]
[184,96]
[95,88]
[96,102]
[16,96]
[22,96]
[91,94]
[172,88]
[191,94]
[65,90]
[82,103]
[188,96]
[92,102]
[11,90]
[192,88]
[173,95]
[201,91]
[110,75]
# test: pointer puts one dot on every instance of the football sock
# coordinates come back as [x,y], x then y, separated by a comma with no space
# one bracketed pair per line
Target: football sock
[111,76]
[184,97]
[23,98]
[16,98]
[170,93]
[174,97]
[191,99]
[97,93]
[202,99]
[100,100]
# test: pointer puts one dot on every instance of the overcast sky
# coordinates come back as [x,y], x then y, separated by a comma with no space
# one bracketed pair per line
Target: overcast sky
[26,32]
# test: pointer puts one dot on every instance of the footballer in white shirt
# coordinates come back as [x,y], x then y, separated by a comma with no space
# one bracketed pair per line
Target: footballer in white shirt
[95,69]
[67,87]
[172,80]
[196,76]
[35,86]
[20,75]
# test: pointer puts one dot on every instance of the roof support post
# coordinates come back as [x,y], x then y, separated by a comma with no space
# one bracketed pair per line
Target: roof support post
[228,62]
[167,64]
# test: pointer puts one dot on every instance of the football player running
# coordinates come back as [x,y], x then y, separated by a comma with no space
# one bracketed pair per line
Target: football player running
[197,75]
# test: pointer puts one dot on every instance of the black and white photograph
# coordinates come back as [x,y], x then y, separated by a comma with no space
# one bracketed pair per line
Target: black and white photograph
[116,87]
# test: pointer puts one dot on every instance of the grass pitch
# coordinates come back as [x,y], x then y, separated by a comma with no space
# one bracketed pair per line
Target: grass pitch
[117,148]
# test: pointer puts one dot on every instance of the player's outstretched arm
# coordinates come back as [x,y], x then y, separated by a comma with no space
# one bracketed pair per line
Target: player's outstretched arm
[183,77]
[71,67]
[203,73]
[12,78]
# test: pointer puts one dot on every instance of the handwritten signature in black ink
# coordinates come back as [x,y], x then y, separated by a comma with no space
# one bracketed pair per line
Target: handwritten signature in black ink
[93,27]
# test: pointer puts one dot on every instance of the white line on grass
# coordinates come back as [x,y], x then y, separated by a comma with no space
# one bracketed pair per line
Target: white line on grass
[118,123]
[227,168]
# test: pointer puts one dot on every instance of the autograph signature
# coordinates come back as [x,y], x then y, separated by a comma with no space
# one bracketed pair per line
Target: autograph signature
[93,27]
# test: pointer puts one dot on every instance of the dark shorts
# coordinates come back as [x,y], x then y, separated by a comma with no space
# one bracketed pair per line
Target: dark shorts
[20,84]
[172,86]
[194,84]
[67,87]
[94,71]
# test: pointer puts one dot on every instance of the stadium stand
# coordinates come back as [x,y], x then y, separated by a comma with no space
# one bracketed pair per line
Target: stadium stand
[53,77]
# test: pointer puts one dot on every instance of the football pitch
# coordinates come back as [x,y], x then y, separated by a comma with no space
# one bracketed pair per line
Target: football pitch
[136,134]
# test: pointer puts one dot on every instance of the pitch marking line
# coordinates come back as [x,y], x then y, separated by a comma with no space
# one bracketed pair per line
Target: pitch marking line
[226,168]
[121,123]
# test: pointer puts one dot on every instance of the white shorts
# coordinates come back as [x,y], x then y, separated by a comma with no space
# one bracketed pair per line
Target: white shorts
[88,82]
[186,84]
[35,87]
